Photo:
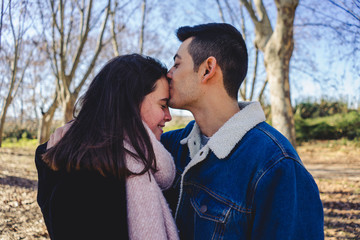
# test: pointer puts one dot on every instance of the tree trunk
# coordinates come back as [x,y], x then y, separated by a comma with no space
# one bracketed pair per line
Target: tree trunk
[141,38]
[277,56]
[277,46]
[3,116]
[45,125]
[68,107]
[67,97]
[46,121]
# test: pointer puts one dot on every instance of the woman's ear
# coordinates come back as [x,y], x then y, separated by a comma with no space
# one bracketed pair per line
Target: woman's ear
[209,69]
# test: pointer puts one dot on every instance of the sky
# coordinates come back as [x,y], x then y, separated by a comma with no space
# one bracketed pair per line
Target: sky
[318,68]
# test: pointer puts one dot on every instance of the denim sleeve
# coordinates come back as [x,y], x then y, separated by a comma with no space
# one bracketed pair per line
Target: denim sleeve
[166,140]
[287,204]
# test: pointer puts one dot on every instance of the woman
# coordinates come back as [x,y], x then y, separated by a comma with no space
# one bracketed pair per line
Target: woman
[102,180]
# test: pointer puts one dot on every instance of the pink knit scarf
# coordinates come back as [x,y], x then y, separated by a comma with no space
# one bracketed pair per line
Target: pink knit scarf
[149,216]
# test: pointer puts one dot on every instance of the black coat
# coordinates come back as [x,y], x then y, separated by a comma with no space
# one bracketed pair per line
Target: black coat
[82,204]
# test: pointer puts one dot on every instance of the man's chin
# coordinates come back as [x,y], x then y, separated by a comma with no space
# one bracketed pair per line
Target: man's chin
[175,104]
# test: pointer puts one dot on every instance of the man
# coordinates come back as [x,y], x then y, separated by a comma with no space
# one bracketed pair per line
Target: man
[237,177]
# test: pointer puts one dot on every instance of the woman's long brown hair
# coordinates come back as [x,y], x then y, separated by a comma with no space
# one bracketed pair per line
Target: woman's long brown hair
[109,112]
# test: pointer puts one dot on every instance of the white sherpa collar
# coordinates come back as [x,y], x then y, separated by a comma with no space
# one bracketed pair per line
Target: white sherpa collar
[225,139]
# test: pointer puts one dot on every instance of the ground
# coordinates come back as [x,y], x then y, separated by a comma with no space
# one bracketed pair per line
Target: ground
[335,167]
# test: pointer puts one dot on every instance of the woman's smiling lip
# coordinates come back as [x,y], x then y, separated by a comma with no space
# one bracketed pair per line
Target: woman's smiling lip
[161,127]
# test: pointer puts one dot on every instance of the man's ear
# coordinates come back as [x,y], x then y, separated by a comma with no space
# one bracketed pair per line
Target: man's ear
[209,69]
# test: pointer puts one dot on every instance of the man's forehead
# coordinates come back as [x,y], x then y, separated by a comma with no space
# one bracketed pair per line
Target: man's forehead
[182,49]
[179,52]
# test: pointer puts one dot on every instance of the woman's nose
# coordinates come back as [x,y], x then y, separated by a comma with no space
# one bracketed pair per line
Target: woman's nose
[167,116]
[169,74]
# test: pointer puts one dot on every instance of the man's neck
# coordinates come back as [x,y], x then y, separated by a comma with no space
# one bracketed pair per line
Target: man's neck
[212,115]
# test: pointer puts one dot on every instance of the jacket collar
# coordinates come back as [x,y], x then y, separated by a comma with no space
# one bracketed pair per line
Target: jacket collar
[226,138]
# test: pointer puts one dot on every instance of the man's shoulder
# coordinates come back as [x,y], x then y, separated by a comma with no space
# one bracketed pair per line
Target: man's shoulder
[271,141]
[175,136]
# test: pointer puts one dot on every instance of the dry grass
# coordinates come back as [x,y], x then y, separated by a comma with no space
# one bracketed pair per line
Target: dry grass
[336,169]
[20,216]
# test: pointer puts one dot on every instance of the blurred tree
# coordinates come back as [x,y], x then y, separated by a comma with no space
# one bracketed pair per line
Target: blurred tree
[141,38]
[68,47]
[14,58]
[1,19]
[328,35]
[277,45]
[245,94]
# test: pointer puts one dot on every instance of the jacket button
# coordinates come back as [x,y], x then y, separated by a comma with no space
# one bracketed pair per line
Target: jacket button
[203,208]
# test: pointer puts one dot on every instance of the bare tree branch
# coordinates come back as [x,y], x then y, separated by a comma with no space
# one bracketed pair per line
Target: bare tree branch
[97,51]
[1,20]
[330,17]
[220,11]
[263,90]
[120,28]
[15,81]
[254,74]
[76,59]
[347,10]
[141,38]
[71,25]
[113,33]
[250,9]
[52,4]
[231,15]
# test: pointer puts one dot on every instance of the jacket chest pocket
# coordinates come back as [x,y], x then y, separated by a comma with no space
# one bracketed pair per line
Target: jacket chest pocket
[210,214]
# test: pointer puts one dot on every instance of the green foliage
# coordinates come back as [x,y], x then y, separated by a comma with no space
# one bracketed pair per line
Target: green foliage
[177,122]
[20,143]
[313,121]
[340,125]
[174,127]
[18,131]
[322,109]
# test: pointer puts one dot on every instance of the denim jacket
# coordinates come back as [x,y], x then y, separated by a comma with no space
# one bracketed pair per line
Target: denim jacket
[247,182]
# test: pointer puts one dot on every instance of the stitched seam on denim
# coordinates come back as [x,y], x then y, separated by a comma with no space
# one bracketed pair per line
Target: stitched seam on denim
[178,171]
[308,176]
[261,176]
[217,225]
[204,215]
[267,170]
[221,234]
[224,214]
[272,138]
[177,178]
[220,198]
[222,229]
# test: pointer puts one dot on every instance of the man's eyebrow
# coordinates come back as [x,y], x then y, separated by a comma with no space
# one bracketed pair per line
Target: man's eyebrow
[177,56]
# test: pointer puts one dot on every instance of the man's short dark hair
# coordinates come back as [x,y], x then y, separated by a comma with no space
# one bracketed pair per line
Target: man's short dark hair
[226,44]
